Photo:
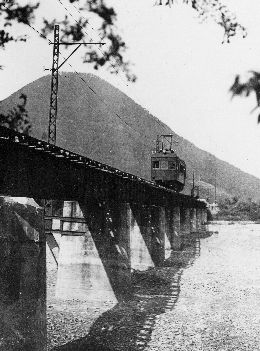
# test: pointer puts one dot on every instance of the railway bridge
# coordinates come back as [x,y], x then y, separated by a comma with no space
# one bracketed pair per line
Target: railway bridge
[100,224]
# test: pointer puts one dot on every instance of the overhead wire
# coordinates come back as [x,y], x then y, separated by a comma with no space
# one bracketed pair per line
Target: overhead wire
[89,87]
[102,52]
[44,37]
[93,91]
[84,30]
[107,105]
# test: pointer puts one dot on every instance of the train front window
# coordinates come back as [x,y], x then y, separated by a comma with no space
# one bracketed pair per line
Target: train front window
[156,164]
[164,164]
[172,165]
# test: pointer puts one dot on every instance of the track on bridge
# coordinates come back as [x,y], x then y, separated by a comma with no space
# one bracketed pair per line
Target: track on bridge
[34,168]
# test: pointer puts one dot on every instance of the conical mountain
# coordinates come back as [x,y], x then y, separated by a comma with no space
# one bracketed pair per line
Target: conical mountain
[97,120]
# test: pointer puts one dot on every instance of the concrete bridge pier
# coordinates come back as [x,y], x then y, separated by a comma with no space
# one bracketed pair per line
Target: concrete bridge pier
[198,220]
[148,231]
[140,237]
[204,220]
[102,242]
[158,230]
[22,275]
[149,227]
[193,223]
[201,218]
[204,216]
[176,240]
[185,224]
[169,232]
[94,258]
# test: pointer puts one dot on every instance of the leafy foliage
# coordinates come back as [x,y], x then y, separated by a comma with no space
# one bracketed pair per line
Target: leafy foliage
[12,12]
[114,130]
[17,117]
[74,29]
[217,11]
[237,209]
[252,85]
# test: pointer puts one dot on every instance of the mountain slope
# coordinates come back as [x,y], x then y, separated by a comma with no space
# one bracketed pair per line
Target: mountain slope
[99,121]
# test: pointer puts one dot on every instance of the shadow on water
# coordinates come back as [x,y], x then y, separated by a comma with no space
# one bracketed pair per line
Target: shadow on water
[129,325]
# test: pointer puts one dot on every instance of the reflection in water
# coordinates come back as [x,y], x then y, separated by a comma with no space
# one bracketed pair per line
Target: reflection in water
[129,325]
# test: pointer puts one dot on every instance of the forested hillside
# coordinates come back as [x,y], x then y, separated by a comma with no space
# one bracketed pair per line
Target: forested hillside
[97,120]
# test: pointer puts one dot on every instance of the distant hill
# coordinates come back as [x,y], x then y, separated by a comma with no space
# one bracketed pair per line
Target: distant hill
[110,127]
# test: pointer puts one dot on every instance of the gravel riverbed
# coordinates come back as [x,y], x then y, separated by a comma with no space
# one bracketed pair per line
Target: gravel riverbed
[218,306]
[205,298]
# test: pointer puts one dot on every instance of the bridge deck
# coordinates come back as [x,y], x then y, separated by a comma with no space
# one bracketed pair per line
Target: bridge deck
[33,168]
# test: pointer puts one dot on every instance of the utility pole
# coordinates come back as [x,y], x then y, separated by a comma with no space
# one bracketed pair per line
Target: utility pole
[193,185]
[198,194]
[54,80]
[48,204]
[215,194]
[54,88]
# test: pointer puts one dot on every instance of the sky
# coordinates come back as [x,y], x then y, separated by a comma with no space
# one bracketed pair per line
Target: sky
[184,71]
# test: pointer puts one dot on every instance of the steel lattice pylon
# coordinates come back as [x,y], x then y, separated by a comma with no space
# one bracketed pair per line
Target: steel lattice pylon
[53,107]
[54,88]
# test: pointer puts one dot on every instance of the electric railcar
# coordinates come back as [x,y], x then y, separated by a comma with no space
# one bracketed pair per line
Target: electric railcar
[167,168]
